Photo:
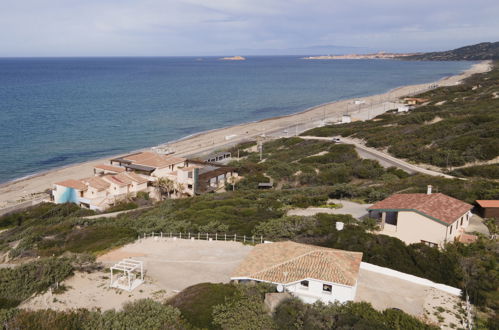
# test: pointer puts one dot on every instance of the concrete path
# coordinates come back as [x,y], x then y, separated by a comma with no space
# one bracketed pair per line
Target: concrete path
[114,214]
[355,209]
[382,157]
[477,225]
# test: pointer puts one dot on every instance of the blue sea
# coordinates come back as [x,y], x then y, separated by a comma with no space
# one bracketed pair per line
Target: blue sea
[58,111]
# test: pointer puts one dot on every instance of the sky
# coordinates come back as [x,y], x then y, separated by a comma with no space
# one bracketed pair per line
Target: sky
[241,27]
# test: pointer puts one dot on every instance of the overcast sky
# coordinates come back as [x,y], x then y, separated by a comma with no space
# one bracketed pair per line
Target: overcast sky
[240,27]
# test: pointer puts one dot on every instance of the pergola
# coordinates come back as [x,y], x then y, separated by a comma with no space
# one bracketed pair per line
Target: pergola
[128,280]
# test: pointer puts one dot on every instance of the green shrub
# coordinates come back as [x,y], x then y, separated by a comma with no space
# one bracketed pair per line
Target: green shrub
[196,302]
[21,282]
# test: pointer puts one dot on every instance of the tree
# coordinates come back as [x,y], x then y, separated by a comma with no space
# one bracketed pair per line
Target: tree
[165,186]
[244,311]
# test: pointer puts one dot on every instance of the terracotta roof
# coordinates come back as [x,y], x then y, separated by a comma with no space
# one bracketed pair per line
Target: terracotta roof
[75,184]
[436,206]
[286,262]
[110,168]
[96,182]
[153,159]
[488,203]
[117,181]
[135,177]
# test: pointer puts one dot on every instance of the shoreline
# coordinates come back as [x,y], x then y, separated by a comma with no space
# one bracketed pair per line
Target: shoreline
[33,186]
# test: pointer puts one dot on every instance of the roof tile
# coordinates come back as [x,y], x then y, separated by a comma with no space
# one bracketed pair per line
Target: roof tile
[438,206]
[286,262]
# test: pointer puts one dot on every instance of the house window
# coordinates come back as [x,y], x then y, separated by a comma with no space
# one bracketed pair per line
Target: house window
[189,186]
[81,193]
[189,175]
[304,284]
[391,218]
[462,218]
[327,288]
[450,232]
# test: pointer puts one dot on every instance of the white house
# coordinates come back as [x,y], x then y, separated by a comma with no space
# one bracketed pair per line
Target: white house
[432,218]
[308,272]
[404,108]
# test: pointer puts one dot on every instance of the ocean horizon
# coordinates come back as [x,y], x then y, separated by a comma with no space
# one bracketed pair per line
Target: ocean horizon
[58,111]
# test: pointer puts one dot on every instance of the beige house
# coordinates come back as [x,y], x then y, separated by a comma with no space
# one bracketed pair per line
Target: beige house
[432,218]
[308,272]
[99,192]
[125,176]
[150,163]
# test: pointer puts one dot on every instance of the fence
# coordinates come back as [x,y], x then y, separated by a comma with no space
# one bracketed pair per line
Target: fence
[205,236]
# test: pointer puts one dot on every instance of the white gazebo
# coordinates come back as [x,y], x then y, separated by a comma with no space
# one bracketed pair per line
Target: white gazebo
[128,279]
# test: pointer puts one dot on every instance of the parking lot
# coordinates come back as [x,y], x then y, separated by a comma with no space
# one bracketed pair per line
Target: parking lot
[177,264]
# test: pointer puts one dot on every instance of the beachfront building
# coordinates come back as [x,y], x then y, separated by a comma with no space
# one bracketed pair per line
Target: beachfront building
[125,176]
[432,218]
[189,177]
[150,163]
[308,272]
[99,192]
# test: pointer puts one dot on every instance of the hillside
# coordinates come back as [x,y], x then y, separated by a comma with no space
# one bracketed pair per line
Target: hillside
[458,126]
[478,52]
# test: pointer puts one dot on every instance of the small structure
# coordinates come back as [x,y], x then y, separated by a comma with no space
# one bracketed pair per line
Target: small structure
[217,157]
[128,280]
[488,208]
[308,272]
[404,108]
[414,100]
[265,185]
[359,102]
[432,218]
[345,119]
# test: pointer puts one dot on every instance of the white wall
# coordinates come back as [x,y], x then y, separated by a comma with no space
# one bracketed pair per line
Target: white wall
[410,278]
[314,292]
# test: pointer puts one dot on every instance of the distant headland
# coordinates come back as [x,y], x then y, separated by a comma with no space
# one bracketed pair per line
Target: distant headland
[233,58]
[379,55]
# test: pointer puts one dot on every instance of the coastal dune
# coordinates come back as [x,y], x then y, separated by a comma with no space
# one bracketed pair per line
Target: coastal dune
[32,188]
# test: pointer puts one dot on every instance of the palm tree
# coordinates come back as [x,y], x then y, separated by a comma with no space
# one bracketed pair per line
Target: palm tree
[179,187]
[232,180]
[164,185]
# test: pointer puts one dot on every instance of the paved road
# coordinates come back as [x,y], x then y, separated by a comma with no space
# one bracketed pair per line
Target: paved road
[384,158]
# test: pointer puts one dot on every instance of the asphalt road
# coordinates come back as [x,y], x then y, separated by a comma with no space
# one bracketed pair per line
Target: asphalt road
[383,158]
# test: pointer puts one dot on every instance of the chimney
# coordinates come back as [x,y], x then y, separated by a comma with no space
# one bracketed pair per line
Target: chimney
[428,192]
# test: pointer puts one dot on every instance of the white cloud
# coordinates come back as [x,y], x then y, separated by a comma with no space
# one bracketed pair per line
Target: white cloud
[197,27]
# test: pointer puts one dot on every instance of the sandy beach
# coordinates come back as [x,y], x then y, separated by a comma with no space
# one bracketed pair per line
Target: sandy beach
[32,188]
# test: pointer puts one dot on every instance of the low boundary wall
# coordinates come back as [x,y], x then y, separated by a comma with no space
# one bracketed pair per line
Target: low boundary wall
[21,206]
[410,278]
